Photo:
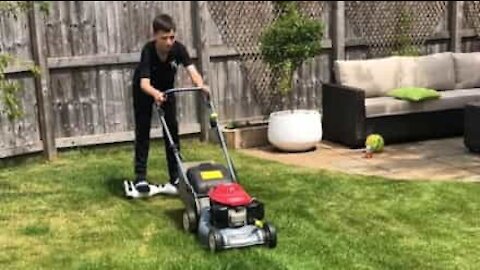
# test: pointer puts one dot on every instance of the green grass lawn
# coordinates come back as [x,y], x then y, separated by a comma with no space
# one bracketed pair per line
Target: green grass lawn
[70,214]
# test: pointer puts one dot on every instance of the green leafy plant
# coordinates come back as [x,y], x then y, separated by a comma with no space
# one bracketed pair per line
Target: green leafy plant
[290,41]
[231,125]
[403,42]
[10,89]
[13,8]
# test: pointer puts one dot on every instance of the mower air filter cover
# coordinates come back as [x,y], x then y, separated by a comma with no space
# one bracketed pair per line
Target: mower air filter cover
[229,194]
[207,175]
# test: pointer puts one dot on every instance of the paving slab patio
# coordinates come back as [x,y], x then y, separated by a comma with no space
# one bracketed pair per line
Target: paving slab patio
[438,160]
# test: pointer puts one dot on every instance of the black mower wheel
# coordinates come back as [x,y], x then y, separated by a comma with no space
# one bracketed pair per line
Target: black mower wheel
[271,235]
[189,220]
[214,241]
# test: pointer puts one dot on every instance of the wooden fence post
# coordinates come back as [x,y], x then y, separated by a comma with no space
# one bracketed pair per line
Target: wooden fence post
[456,19]
[200,10]
[42,82]
[338,29]
[338,33]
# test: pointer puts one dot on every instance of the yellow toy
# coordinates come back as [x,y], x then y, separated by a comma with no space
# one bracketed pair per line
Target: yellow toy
[374,144]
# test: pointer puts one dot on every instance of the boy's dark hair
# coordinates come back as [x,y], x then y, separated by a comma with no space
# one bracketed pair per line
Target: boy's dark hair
[163,22]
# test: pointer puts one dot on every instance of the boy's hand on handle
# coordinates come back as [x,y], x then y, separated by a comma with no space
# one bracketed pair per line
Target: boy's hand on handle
[159,97]
[205,90]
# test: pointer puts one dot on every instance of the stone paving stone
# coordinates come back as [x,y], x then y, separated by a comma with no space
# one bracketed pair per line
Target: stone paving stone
[474,175]
[406,164]
[461,161]
[440,160]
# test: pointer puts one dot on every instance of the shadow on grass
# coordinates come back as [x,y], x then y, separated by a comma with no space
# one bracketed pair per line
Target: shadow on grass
[176,216]
[115,187]
[4,186]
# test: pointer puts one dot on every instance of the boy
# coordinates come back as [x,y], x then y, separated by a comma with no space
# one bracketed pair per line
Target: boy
[154,74]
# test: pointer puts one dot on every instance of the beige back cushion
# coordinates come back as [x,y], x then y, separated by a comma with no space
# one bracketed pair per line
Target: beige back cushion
[467,69]
[375,76]
[378,76]
[408,71]
[434,71]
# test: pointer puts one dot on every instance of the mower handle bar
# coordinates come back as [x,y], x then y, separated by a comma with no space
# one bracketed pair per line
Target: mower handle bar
[212,108]
[191,89]
[188,89]
[184,89]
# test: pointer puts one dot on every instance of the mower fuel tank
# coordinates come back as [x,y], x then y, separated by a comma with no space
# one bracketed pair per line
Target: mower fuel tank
[207,175]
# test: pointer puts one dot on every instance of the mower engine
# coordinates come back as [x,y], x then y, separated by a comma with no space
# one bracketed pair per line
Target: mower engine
[232,207]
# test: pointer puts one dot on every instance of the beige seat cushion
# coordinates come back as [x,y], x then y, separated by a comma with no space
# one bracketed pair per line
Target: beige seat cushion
[434,71]
[467,69]
[375,76]
[450,99]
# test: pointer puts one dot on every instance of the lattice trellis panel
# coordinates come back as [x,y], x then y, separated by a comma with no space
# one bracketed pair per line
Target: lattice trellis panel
[241,24]
[471,11]
[394,27]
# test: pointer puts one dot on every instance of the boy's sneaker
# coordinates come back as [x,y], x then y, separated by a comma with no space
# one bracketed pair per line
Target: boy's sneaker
[169,189]
[141,185]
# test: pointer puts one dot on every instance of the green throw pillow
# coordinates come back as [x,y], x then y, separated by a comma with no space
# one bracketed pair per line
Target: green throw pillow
[414,93]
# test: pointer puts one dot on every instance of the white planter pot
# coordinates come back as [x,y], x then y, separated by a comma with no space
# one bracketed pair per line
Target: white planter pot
[294,131]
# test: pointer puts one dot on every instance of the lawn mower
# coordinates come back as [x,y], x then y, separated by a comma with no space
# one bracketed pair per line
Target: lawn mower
[217,208]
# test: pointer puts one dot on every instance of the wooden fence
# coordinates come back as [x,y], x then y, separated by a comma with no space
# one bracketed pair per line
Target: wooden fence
[88,50]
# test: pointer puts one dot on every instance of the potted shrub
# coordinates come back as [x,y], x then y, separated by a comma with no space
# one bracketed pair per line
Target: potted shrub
[285,45]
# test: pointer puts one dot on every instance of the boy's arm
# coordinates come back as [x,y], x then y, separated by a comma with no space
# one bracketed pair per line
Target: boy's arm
[191,69]
[147,87]
[197,78]
[145,84]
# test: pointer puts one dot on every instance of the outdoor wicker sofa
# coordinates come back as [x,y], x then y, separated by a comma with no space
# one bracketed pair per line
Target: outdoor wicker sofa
[356,104]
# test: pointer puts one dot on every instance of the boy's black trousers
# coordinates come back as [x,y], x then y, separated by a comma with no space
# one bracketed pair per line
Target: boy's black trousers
[143,107]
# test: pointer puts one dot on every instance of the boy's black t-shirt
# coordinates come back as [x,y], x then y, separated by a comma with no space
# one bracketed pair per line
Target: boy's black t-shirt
[161,74]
